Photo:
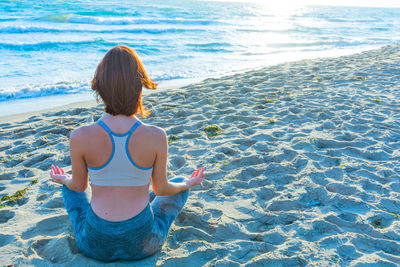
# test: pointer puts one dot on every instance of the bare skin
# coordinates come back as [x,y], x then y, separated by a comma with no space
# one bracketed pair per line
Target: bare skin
[148,146]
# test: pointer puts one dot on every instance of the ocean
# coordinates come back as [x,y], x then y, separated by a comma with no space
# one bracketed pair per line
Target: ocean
[52,48]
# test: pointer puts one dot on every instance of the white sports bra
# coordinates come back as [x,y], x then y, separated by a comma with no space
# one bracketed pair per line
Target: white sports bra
[120,169]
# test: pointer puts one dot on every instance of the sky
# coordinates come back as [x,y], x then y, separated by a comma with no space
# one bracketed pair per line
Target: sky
[371,3]
[365,3]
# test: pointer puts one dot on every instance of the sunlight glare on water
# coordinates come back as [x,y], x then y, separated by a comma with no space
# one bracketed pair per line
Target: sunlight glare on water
[54,47]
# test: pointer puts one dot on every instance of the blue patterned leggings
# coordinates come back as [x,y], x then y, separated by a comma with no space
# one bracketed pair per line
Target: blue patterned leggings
[132,239]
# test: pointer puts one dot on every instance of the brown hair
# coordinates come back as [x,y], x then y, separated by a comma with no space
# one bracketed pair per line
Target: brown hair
[119,79]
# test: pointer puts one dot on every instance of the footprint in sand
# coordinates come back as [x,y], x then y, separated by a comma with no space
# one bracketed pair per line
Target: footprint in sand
[37,159]
[250,173]
[26,173]
[371,245]
[395,186]
[42,161]
[300,163]
[6,215]
[265,194]
[274,238]
[60,130]
[54,203]
[215,214]
[50,227]
[33,119]
[285,205]
[6,125]
[191,234]
[348,252]
[381,220]
[244,143]
[66,159]
[175,130]
[55,250]
[341,188]
[319,229]
[191,219]
[178,162]
[349,217]
[39,143]
[226,191]
[346,136]
[8,175]
[6,239]
[5,147]
[350,204]
[22,132]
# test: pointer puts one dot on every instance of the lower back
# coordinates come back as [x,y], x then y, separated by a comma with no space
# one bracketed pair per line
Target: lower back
[117,203]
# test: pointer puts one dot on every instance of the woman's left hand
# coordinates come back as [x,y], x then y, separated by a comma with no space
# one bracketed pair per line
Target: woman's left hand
[58,175]
[196,178]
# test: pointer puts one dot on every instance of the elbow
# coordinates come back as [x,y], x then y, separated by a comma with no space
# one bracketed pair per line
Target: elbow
[162,190]
[79,188]
[159,192]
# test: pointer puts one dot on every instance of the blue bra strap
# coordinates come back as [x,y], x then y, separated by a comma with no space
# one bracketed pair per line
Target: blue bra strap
[126,146]
[134,127]
[102,124]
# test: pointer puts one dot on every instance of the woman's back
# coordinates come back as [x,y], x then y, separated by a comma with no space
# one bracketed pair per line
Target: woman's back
[119,156]
[117,203]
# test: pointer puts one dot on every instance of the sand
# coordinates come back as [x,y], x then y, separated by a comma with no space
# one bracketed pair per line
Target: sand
[305,169]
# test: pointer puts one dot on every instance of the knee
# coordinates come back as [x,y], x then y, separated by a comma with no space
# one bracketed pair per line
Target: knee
[153,243]
[65,191]
[185,195]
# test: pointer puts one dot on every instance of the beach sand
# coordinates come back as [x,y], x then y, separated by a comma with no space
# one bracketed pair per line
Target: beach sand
[305,169]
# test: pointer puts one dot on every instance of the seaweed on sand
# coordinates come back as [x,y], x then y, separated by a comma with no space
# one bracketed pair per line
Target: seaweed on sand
[212,131]
[172,138]
[16,198]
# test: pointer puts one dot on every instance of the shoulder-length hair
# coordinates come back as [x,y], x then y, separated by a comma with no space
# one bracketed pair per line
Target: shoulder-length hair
[119,80]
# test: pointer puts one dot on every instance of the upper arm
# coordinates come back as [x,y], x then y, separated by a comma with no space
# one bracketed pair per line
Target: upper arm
[79,168]
[159,179]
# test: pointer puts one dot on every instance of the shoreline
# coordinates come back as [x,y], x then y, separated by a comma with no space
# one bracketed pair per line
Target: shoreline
[73,100]
[304,170]
[37,102]
[26,115]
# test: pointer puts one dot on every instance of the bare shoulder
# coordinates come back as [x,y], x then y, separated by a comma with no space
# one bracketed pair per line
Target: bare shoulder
[83,133]
[155,133]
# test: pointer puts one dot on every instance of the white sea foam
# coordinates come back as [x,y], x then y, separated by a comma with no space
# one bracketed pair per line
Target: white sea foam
[192,39]
[29,91]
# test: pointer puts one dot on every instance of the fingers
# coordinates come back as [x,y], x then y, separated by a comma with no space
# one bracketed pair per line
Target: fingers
[198,176]
[52,172]
[200,171]
[201,178]
[55,170]
[193,174]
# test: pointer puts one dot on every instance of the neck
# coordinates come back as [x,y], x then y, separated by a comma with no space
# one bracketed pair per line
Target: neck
[118,118]
[108,115]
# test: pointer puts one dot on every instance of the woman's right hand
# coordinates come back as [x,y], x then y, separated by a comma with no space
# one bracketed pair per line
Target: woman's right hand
[58,175]
[196,178]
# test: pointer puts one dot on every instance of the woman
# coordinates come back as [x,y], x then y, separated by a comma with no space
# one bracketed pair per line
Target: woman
[119,155]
